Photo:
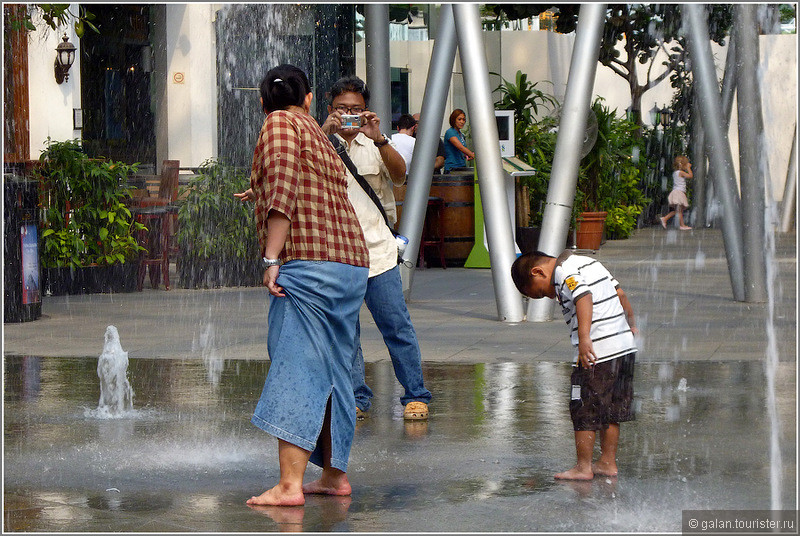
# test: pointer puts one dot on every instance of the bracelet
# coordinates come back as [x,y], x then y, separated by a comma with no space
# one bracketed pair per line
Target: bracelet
[266,263]
[383,142]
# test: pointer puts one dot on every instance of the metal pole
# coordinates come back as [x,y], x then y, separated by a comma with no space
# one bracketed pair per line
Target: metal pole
[729,79]
[564,175]
[717,146]
[698,168]
[433,108]
[728,91]
[379,80]
[751,128]
[499,233]
[789,203]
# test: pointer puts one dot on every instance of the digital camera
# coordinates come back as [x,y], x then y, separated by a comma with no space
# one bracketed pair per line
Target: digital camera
[351,121]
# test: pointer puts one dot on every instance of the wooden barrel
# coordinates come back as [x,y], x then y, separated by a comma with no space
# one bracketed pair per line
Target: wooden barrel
[458,192]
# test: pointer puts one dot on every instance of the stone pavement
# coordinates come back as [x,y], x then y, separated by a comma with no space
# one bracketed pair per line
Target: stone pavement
[677,281]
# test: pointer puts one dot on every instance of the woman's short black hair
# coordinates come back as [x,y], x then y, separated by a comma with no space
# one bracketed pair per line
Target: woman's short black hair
[284,85]
[350,84]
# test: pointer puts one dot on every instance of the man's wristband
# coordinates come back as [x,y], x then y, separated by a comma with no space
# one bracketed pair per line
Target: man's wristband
[383,142]
[266,263]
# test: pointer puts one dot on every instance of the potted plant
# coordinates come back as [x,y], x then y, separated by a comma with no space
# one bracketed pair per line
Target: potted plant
[217,240]
[88,237]
[608,198]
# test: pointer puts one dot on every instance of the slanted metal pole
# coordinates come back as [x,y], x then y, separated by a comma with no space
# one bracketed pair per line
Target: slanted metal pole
[434,101]
[499,234]
[729,80]
[564,175]
[751,152]
[789,203]
[379,78]
[717,146]
[728,91]
[698,157]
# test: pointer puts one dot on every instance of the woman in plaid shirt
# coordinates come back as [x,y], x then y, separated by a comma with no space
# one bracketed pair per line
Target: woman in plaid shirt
[316,271]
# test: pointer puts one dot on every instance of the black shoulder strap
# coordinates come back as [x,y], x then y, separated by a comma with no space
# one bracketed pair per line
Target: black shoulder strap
[342,152]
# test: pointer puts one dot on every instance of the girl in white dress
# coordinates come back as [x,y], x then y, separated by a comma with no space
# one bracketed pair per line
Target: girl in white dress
[677,197]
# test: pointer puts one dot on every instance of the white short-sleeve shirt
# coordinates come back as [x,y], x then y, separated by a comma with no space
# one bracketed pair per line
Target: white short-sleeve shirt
[577,275]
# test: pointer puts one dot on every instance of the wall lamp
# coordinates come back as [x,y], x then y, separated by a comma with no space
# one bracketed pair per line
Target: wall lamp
[65,57]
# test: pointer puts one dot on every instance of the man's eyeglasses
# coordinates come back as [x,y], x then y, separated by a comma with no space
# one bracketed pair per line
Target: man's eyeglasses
[349,109]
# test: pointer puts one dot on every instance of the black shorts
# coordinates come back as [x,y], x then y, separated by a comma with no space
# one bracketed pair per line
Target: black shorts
[602,394]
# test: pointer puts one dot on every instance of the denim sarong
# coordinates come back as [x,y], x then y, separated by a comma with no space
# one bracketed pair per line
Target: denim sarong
[311,344]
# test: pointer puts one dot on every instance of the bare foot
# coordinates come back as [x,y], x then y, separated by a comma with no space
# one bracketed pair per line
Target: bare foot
[663,223]
[685,228]
[575,474]
[278,496]
[338,485]
[604,468]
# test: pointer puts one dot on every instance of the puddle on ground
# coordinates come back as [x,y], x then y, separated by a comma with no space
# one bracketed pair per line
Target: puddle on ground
[186,457]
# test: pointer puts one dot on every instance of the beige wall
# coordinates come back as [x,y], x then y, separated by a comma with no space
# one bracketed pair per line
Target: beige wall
[50,103]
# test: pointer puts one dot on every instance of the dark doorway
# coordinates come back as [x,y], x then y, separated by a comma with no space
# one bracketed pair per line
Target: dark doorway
[116,67]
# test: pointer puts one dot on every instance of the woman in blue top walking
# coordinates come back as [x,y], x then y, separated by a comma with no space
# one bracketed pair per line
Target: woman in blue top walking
[455,149]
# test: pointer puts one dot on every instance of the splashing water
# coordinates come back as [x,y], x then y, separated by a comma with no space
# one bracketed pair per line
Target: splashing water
[772,359]
[213,363]
[116,394]
[772,356]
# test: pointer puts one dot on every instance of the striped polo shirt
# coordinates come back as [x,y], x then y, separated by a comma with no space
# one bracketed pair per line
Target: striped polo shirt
[573,277]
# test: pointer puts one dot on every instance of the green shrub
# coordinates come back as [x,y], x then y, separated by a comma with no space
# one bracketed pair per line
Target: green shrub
[84,217]
[216,232]
[609,179]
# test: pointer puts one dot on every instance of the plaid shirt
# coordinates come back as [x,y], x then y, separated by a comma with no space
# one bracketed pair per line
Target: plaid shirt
[297,172]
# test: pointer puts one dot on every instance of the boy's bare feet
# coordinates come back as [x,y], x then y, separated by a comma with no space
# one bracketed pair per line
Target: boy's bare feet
[338,485]
[278,496]
[575,474]
[601,468]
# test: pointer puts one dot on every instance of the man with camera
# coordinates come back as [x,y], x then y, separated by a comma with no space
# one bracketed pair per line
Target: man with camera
[375,158]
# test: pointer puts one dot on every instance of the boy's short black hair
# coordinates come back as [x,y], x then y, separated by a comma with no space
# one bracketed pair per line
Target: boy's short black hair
[521,268]
[405,122]
[350,84]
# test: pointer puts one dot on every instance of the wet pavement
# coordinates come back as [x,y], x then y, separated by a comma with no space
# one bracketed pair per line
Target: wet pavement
[186,458]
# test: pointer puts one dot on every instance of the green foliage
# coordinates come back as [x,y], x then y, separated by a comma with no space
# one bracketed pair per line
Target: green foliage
[538,152]
[788,12]
[56,16]
[609,178]
[216,231]
[84,217]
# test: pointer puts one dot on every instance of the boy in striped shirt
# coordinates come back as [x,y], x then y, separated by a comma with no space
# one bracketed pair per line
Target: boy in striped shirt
[602,330]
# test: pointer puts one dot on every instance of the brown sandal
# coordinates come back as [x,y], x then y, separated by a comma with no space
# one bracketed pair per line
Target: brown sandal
[416,411]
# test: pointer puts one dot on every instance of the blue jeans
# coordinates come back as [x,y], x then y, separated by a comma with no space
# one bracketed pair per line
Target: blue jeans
[385,301]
